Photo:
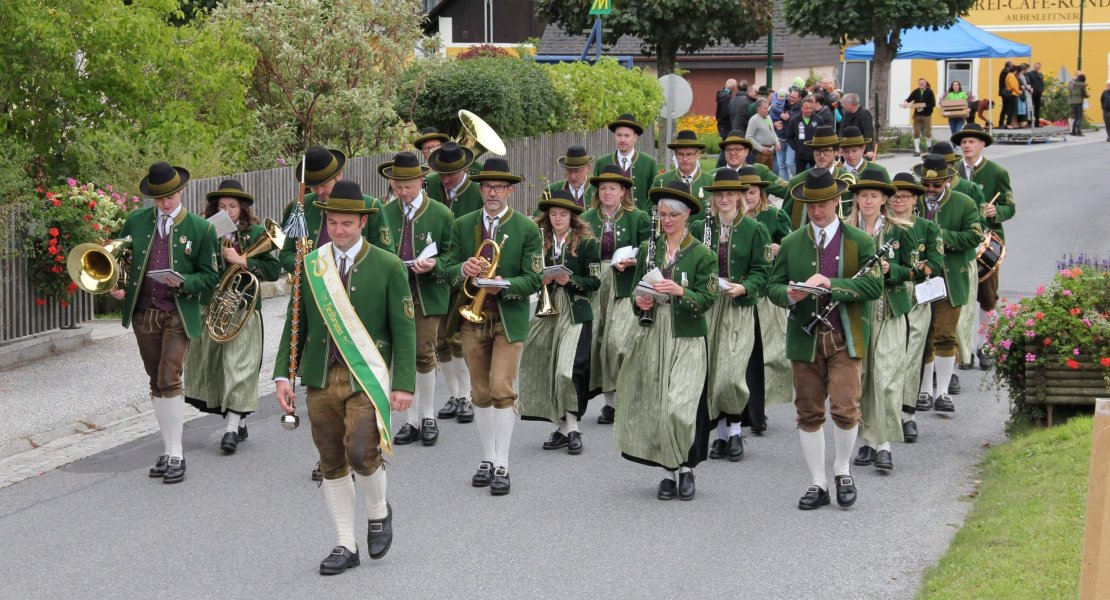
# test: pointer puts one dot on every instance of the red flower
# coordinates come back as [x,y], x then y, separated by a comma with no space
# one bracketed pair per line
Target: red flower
[1047,342]
[63,303]
[53,242]
[1105,361]
[53,232]
[1072,363]
[56,269]
[56,202]
[60,258]
[88,217]
[52,249]
[92,205]
[40,301]
[1075,312]
[71,288]
[96,226]
[1040,316]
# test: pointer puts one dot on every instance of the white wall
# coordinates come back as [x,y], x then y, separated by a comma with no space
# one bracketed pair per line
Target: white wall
[900,87]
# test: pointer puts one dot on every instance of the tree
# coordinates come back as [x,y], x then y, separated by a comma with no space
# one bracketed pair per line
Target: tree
[666,27]
[881,21]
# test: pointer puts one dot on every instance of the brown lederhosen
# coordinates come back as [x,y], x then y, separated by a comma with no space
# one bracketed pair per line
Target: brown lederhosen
[833,374]
[162,345]
[344,427]
[493,361]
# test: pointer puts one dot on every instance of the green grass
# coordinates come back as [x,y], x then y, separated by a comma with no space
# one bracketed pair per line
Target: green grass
[1024,536]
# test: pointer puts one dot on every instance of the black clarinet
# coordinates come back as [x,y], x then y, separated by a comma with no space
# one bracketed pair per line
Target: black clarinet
[647,317]
[823,316]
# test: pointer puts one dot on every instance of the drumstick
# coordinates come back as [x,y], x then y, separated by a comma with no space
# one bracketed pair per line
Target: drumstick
[993,199]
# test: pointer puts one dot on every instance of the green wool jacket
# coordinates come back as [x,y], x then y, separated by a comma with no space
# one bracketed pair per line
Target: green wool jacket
[377,228]
[696,269]
[265,266]
[797,261]
[468,200]
[585,263]
[632,228]
[961,233]
[378,286]
[433,223]
[521,254]
[193,254]
[797,210]
[776,222]
[644,169]
[587,194]
[993,179]
[927,251]
[701,180]
[897,290]
[749,254]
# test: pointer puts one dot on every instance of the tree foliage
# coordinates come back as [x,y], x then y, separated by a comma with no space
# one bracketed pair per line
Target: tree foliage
[667,27]
[881,21]
[327,72]
[601,91]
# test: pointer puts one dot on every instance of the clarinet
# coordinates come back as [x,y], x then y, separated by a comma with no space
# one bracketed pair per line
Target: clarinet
[823,316]
[647,318]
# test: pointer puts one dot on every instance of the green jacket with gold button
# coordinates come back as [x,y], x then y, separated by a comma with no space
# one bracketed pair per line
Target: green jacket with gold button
[961,232]
[776,222]
[696,184]
[433,223]
[749,255]
[468,200]
[377,229]
[193,254]
[695,268]
[584,263]
[990,177]
[631,228]
[378,287]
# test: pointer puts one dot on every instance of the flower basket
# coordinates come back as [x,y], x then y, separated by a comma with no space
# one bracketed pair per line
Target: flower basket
[1053,382]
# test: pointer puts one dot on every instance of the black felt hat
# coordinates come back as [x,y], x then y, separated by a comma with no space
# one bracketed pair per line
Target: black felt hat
[230,188]
[575,157]
[823,137]
[933,167]
[560,199]
[497,169]
[320,165]
[428,134]
[726,180]
[676,190]
[163,179]
[872,179]
[346,198]
[906,181]
[627,120]
[611,173]
[819,186]
[974,130]
[403,167]
[686,138]
[450,158]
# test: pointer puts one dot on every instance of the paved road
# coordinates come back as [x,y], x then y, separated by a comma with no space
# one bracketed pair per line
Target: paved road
[587,525]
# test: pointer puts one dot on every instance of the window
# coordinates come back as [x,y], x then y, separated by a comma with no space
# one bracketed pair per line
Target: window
[957,70]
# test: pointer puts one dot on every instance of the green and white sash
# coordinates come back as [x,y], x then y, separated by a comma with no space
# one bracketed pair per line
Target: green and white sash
[350,336]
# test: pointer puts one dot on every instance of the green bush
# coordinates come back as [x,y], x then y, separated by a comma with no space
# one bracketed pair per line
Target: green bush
[1054,100]
[513,95]
[600,92]
[712,143]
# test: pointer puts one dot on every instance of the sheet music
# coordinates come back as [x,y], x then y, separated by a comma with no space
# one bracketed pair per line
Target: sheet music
[222,223]
[930,290]
[165,276]
[429,251]
[491,283]
[556,270]
[623,253]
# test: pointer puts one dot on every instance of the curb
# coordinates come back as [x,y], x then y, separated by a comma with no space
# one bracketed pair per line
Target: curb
[41,345]
[81,426]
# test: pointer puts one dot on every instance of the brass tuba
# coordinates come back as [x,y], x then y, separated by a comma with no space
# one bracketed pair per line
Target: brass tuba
[545,308]
[99,269]
[473,311]
[236,295]
[477,135]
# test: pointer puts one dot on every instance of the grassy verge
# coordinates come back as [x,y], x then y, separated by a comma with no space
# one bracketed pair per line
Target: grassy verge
[1024,536]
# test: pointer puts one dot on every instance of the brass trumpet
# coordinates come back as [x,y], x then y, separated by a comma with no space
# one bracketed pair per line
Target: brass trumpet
[546,308]
[100,269]
[236,296]
[473,311]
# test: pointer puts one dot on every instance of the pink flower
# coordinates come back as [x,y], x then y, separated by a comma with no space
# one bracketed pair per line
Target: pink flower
[1075,351]
[1066,292]
[1006,344]
[1030,322]
[1040,290]
[71,182]
[1030,333]
[1086,321]
[1030,357]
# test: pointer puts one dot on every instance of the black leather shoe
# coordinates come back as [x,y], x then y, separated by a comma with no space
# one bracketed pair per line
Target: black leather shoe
[759,428]
[466,411]
[944,404]
[317,474]
[606,416]
[909,431]
[866,456]
[966,366]
[574,443]
[954,385]
[450,409]
[556,441]
[484,475]
[845,490]
[718,449]
[814,498]
[884,461]
[175,470]
[407,435]
[379,534]
[500,484]
[986,361]
[667,489]
[686,485]
[242,433]
[735,447]
[924,402]
[159,468]
[429,434]
[229,442]
[338,561]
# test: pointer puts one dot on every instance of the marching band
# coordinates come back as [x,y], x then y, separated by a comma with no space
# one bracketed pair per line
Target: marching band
[688,300]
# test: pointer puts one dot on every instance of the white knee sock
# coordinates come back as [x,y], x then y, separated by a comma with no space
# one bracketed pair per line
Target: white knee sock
[722,430]
[735,429]
[162,416]
[447,367]
[425,394]
[339,494]
[865,442]
[373,488]
[485,419]
[813,450]
[685,470]
[611,399]
[917,144]
[233,420]
[505,419]
[909,417]
[927,378]
[571,422]
[462,375]
[885,446]
[672,475]
[945,366]
[845,442]
[170,413]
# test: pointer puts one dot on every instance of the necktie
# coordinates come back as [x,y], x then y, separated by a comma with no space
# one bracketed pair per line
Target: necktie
[491,225]
[686,179]
[163,225]
[968,169]
[410,211]
[342,264]
[822,240]
[624,163]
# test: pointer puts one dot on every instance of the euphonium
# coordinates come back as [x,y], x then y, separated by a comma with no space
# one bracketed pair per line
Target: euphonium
[236,295]
[850,179]
[546,308]
[99,269]
[473,311]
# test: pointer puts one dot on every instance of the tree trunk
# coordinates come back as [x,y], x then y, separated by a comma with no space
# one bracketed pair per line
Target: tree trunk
[885,51]
[665,57]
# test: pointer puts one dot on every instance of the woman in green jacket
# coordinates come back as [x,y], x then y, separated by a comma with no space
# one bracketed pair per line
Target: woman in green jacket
[769,376]
[222,378]
[555,366]
[743,250]
[663,414]
[617,225]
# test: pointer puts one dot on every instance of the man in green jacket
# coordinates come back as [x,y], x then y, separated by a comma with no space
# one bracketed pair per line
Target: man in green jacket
[419,222]
[825,144]
[576,164]
[494,331]
[451,183]
[826,345]
[687,152]
[166,311]
[355,343]
[640,167]
[736,148]
[852,148]
[429,140]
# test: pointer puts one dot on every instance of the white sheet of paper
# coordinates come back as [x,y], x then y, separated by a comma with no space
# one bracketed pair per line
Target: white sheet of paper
[556,270]
[645,289]
[623,253]
[809,289]
[222,223]
[930,290]
[723,284]
[653,276]
[491,283]
[165,276]
[429,251]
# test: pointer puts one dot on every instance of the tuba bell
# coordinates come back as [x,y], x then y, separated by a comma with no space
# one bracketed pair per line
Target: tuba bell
[236,295]
[473,311]
[477,135]
[100,269]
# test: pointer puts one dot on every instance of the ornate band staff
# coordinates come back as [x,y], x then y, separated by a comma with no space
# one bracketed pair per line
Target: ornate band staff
[296,228]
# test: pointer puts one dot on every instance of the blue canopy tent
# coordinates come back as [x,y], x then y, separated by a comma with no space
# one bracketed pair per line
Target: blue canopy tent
[962,40]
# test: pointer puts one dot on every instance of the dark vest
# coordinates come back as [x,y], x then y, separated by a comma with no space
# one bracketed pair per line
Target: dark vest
[490,305]
[154,294]
[830,262]
[406,250]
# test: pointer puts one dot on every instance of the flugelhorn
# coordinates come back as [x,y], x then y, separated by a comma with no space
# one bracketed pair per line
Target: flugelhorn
[99,269]
[236,295]
[473,311]
[546,308]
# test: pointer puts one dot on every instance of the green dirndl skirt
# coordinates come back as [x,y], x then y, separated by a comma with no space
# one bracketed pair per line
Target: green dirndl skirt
[965,327]
[730,342]
[778,378]
[547,389]
[222,378]
[884,374]
[601,303]
[919,319]
[621,324]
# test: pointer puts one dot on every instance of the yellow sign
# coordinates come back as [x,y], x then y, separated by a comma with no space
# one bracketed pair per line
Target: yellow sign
[601,7]
[1060,13]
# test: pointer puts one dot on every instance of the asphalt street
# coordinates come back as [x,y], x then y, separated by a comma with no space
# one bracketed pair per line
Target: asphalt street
[589,525]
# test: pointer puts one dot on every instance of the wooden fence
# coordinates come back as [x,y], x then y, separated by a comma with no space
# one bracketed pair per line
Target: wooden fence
[534,158]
